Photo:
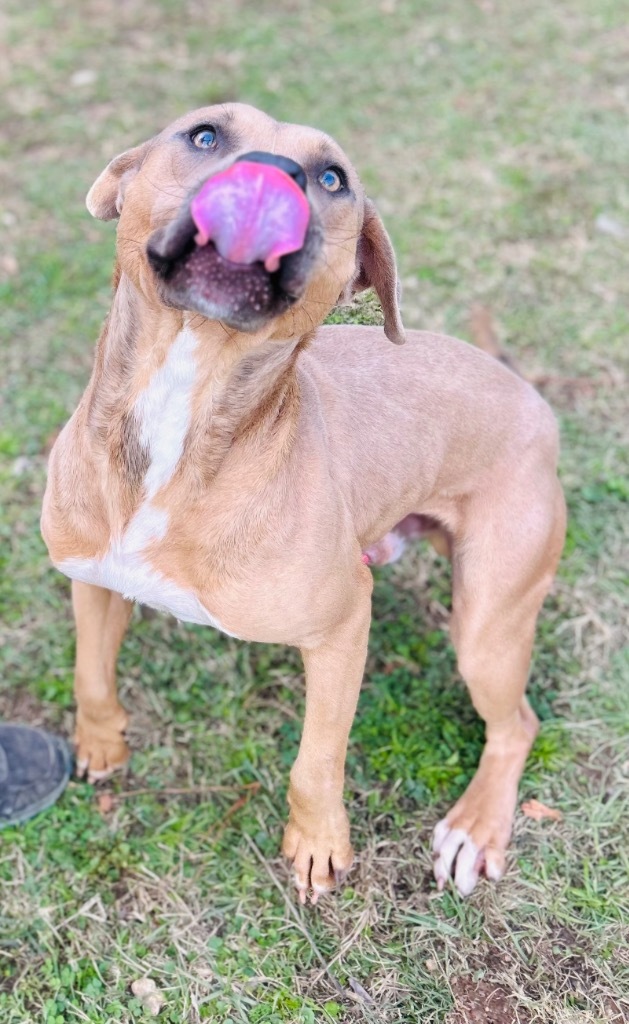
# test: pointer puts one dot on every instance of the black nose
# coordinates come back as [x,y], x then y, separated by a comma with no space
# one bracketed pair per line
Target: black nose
[283,162]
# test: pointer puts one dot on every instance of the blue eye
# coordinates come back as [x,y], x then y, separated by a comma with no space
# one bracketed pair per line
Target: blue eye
[331,180]
[204,138]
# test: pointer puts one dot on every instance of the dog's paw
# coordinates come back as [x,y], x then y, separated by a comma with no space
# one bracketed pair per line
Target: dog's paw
[464,850]
[320,862]
[101,749]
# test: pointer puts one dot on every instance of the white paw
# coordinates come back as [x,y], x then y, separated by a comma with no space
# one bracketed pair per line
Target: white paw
[456,855]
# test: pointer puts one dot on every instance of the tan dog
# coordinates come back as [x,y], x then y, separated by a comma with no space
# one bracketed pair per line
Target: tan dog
[235,464]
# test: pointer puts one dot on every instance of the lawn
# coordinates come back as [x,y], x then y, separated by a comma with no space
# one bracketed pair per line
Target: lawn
[494,140]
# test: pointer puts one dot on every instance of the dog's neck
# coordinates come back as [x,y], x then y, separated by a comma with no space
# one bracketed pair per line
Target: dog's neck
[163,374]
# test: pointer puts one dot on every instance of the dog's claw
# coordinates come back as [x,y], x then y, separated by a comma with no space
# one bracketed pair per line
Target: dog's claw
[316,871]
[457,856]
[100,752]
[339,876]
[94,775]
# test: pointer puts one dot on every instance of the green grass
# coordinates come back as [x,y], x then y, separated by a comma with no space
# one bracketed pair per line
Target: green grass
[492,139]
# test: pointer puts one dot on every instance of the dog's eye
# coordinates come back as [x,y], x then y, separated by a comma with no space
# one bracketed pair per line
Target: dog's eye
[331,180]
[204,138]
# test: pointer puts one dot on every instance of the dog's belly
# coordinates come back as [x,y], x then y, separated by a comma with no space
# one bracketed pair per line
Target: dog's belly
[125,569]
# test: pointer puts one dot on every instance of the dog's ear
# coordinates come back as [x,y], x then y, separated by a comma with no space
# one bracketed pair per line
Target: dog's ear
[104,199]
[376,268]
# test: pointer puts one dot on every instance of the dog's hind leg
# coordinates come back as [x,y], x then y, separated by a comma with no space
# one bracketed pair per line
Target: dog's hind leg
[503,565]
[101,618]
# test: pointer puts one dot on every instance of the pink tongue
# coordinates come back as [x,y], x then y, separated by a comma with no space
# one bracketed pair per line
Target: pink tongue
[251,212]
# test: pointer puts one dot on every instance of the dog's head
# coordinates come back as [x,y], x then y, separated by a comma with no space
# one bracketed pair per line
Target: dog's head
[247,221]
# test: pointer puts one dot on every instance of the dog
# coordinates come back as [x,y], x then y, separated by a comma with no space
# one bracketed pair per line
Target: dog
[236,464]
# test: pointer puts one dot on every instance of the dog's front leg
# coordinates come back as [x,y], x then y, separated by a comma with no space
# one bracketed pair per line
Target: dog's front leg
[316,839]
[101,617]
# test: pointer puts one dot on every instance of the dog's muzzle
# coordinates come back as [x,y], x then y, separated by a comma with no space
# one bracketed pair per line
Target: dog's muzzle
[242,248]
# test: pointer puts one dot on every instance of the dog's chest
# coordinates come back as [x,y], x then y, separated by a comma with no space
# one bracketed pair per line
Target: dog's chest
[126,568]
[162,413]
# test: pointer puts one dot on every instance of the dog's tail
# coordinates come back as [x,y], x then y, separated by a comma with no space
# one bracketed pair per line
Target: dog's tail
[485,336]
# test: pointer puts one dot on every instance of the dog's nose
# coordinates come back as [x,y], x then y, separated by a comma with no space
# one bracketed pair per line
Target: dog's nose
[254,210]
[290,167]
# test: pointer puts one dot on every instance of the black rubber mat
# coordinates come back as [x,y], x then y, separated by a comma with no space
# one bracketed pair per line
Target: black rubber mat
[34,771]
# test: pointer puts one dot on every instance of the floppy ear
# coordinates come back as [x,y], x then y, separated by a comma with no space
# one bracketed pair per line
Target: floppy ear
[104,199]
[376,269]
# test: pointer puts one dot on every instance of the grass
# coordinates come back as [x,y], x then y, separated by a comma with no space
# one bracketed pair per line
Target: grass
[492,142]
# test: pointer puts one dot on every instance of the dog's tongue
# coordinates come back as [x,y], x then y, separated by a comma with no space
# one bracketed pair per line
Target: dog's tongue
[251,211]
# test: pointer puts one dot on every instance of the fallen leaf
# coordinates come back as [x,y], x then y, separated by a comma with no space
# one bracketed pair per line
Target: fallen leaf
[105,803]
[9,265]
[538,811]
[483,330]
[485,336]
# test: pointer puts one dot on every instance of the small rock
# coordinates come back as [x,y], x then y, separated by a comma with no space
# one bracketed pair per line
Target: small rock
[149,995]
[21,465]
[83,77]
[154,1003]
[9,265]
[274,83]
[608,225]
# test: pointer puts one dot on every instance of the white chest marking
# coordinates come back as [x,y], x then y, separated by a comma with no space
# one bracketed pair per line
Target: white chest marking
[163,411]
[163,414]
